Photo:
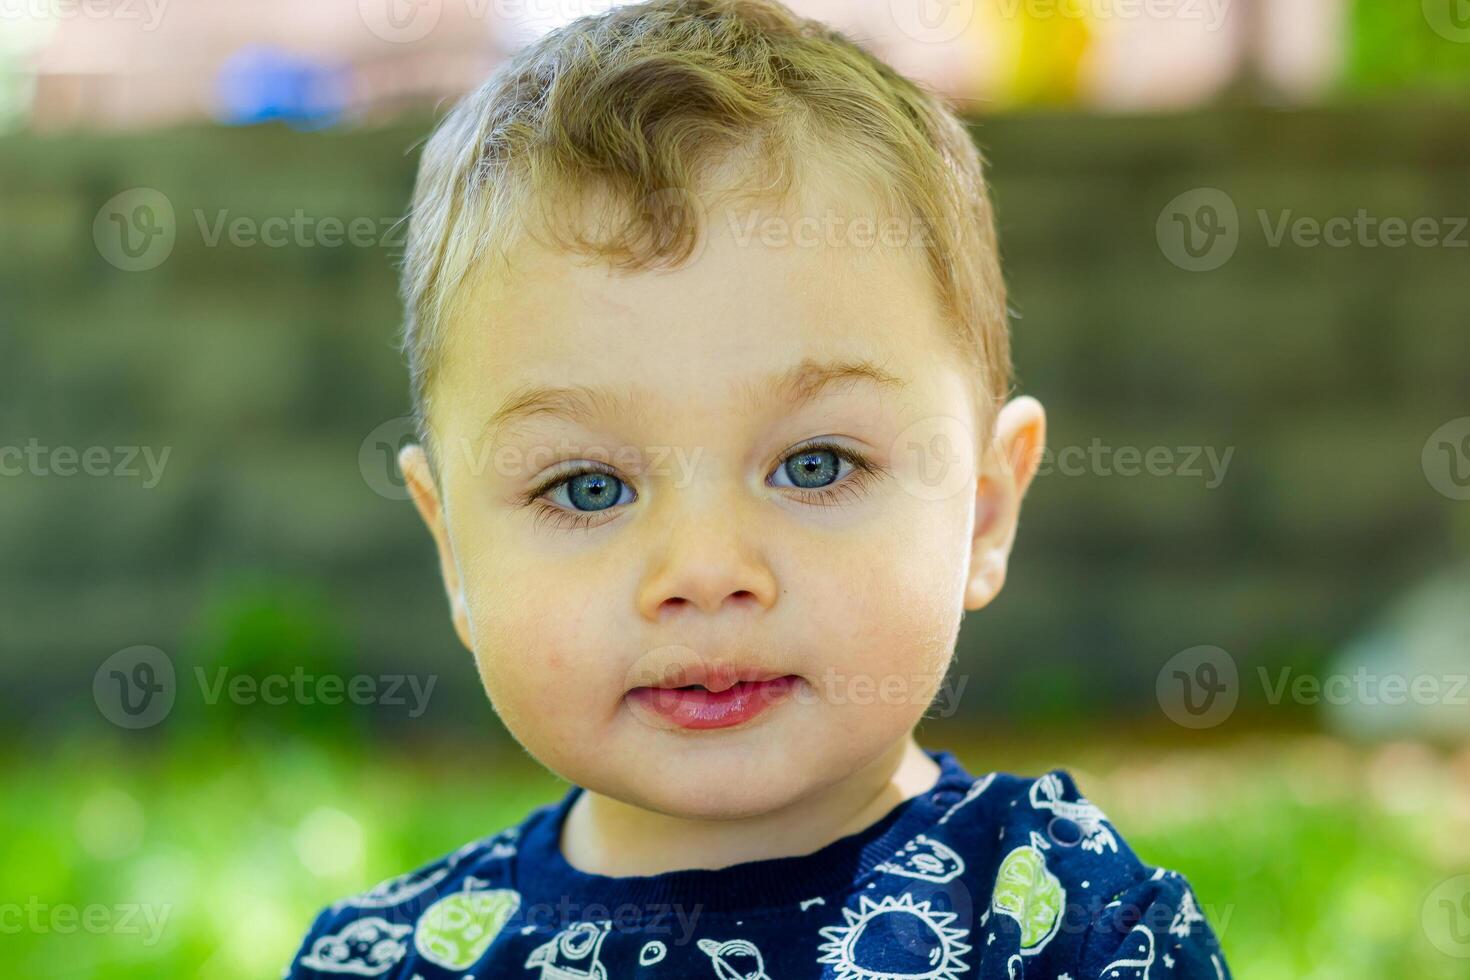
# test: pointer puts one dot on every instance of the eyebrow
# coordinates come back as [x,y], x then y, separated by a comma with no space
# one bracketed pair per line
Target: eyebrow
[793,387]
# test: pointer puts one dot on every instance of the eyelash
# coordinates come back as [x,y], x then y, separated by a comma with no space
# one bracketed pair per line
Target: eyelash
[864,470]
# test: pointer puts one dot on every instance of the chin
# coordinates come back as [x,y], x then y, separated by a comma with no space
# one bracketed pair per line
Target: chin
[728,781]
[713,796]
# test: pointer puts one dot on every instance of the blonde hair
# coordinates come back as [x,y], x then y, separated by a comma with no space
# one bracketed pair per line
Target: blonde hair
[641,105]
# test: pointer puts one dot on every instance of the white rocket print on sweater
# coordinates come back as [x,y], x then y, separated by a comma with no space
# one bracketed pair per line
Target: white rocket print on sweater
[1046,794]
[573,953]
[925,858]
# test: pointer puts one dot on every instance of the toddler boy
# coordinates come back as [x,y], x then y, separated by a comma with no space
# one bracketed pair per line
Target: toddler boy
[709,350]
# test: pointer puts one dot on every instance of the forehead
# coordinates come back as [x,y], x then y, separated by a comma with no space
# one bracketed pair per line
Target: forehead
[826,279]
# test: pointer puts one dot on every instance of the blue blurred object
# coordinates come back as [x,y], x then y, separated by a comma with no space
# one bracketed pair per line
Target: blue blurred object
[261,83]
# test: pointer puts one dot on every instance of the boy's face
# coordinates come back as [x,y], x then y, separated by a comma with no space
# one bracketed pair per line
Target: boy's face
[698,544]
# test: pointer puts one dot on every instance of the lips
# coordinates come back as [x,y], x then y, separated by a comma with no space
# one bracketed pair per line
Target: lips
[704,696]
[714,677]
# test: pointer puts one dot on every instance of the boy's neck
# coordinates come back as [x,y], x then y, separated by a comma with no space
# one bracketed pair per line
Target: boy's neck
[605,836]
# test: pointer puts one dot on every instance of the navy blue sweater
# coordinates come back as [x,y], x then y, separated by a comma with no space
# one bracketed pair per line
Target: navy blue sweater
[994,878]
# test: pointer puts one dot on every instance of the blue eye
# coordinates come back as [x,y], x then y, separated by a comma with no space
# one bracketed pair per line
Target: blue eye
[827,472]
[593,491]
[812,469]
[572,500]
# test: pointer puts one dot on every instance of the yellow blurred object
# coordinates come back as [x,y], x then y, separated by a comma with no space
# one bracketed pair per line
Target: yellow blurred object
[1045,45]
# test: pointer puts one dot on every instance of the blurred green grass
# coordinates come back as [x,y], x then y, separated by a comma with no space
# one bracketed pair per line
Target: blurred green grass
[1311,857]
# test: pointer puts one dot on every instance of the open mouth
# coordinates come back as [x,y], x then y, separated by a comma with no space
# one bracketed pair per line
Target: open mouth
[697,707]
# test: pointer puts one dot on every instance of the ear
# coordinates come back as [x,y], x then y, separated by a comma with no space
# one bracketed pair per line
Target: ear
[1006,470]
[413,462]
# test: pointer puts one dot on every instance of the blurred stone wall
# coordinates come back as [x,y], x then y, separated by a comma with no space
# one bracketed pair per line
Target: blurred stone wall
[1273,401]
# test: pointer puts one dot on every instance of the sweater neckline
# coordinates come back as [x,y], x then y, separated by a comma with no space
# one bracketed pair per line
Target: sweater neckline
[543,875]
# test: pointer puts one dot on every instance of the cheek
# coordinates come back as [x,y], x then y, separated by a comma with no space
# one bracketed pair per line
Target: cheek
[549,632]
[897,618]
[546,654]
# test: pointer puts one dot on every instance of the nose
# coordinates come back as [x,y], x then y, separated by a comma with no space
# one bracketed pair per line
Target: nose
[707,562]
